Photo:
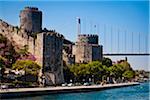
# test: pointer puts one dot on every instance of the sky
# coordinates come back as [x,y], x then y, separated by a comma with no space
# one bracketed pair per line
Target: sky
[126,18]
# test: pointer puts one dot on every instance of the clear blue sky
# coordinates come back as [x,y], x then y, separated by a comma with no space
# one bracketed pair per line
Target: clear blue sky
[129,16]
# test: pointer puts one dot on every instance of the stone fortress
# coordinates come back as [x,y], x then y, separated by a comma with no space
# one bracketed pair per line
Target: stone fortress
[44,44]
[87,49]
[84,50]
[49,47]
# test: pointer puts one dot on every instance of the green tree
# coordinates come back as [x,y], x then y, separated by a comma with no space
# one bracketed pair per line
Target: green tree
[2,62]
[7,51]
[95,67]
[2,67]
[74,69]
[107,62]
[30,67]
[125,65]
[68,75]
[99,70]
[86,71]
[128,74]
[116,71]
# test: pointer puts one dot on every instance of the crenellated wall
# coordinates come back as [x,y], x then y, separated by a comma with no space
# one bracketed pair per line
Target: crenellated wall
[47,48]
[17,36]
[87,49]
[88,38]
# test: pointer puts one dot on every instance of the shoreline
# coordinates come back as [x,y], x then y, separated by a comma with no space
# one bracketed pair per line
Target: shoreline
[24,92]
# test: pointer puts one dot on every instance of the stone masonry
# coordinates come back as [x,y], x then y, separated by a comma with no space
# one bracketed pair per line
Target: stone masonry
[31,19]
[87,49]
[46,46]
[68,58]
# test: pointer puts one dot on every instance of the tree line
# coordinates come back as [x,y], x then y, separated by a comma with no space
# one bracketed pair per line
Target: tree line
[98,71]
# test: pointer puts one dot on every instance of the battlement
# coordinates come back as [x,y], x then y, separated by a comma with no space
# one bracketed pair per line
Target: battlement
[52,32]
[31,8]
[45,45]
[31,19]
[14,33]
[5,27]
[11,30]
[87,35]
[3,23]
[88,38]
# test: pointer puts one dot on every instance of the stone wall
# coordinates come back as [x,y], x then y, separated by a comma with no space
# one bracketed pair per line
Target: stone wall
[18,37]
[52,56]
[68,58]
[87,49]
[97,52]
[47,48]
[85,53]
[82,52]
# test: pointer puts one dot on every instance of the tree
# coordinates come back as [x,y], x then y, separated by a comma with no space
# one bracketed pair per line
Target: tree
[2,62]
[2,67]
[125,65]
[30,67]
[100,70]
[68,75]
[7,51]
[86,71]
[107,62]
[128,74]
[116,71]
[96,67]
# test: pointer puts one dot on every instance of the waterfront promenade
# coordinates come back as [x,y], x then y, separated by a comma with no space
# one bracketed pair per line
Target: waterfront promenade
[20,92]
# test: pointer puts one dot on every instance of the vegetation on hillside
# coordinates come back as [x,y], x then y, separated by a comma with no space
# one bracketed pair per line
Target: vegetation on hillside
[29,66]
[13,59]
[8,54]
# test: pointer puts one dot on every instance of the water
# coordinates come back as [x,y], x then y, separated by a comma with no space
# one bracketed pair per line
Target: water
[139,92]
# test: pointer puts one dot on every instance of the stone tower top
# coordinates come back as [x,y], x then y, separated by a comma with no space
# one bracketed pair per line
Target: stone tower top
[31,19]
[88,38]
[31,8]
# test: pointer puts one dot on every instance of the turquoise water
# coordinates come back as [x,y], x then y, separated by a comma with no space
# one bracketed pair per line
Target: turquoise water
[139,92]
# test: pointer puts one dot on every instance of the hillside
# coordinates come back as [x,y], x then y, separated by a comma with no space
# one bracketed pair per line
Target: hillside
[10,53]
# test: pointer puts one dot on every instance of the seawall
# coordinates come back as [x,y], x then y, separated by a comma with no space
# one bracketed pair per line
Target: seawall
[24,92]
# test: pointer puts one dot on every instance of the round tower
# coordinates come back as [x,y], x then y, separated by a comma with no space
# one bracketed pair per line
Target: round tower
[31,19]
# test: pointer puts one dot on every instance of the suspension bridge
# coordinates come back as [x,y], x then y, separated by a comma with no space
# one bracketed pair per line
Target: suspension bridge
[123,43]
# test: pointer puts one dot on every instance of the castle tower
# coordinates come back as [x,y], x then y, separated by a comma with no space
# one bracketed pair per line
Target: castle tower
[87,49]
[88,38]
[31,19]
